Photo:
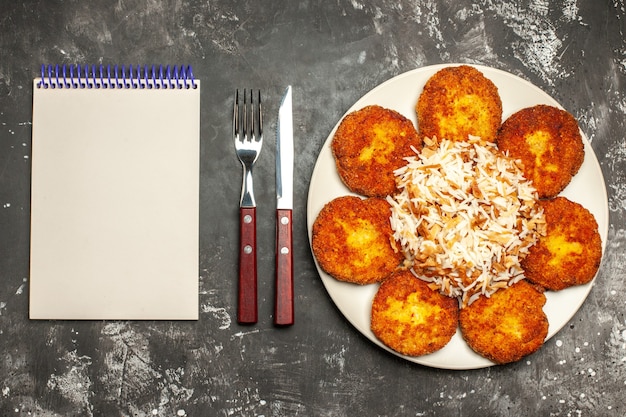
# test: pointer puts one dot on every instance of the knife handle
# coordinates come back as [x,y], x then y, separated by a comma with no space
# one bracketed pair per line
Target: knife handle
[247,306]
[283,307]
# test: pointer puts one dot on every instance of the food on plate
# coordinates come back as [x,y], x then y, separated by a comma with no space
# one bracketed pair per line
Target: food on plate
[457,102]
[548,142]
[570,252]
[411,318]
[352,240]
[458,222]
[508,325]
[465,216]
[368,145]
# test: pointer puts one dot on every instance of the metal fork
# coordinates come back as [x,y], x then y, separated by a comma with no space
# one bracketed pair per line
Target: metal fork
[248,136]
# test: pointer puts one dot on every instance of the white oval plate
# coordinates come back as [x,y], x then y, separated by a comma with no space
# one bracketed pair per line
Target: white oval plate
[401,93]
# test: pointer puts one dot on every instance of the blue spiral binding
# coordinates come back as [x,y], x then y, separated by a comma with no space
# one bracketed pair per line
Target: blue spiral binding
[69,76]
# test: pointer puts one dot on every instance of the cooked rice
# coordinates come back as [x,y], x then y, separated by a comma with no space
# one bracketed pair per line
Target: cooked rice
[465,216]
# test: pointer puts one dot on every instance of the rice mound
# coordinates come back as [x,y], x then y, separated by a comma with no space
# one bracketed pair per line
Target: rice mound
[465,216]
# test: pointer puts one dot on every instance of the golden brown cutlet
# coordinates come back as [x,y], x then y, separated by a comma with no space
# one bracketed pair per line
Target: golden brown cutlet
[508,325]
[369,145]
[570,252]
[352,240]
[457,102]
[548,142]
[411,318]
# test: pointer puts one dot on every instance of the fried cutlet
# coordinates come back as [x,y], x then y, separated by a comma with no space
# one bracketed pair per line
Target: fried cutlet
[570,252]
[369,145]
[352,240]
[548,142]
[457,102]
[411,318]
[508,325]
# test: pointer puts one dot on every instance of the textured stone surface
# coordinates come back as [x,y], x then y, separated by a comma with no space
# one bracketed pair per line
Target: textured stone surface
[332,53]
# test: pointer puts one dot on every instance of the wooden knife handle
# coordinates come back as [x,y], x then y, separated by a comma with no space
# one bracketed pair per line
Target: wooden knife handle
[283,307]
[247,303]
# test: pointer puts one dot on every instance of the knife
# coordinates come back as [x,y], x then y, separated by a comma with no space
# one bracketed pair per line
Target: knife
[283,307]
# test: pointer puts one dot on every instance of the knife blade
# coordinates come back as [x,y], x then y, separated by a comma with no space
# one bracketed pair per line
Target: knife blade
[283,305]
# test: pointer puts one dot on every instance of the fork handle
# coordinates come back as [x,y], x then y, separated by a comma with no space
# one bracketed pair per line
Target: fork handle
[283,307]
[247,307]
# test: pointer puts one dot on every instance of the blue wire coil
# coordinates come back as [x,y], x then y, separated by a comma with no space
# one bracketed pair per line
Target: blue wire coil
[117,77]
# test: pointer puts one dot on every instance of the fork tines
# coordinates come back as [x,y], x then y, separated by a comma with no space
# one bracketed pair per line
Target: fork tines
[250,127]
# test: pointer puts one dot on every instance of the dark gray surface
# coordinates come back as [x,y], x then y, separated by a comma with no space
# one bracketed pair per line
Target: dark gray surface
[332,53]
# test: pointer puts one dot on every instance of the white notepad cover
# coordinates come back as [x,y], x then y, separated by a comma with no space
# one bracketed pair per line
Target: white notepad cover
[114,203]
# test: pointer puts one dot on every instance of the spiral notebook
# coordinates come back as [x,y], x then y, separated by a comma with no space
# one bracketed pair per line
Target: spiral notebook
[115,193]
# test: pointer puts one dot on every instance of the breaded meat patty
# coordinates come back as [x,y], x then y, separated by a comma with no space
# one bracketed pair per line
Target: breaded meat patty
[508,325]
[570,252]
[548,142]
[457,102]
[369,145]
[411,318]
[352,240]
